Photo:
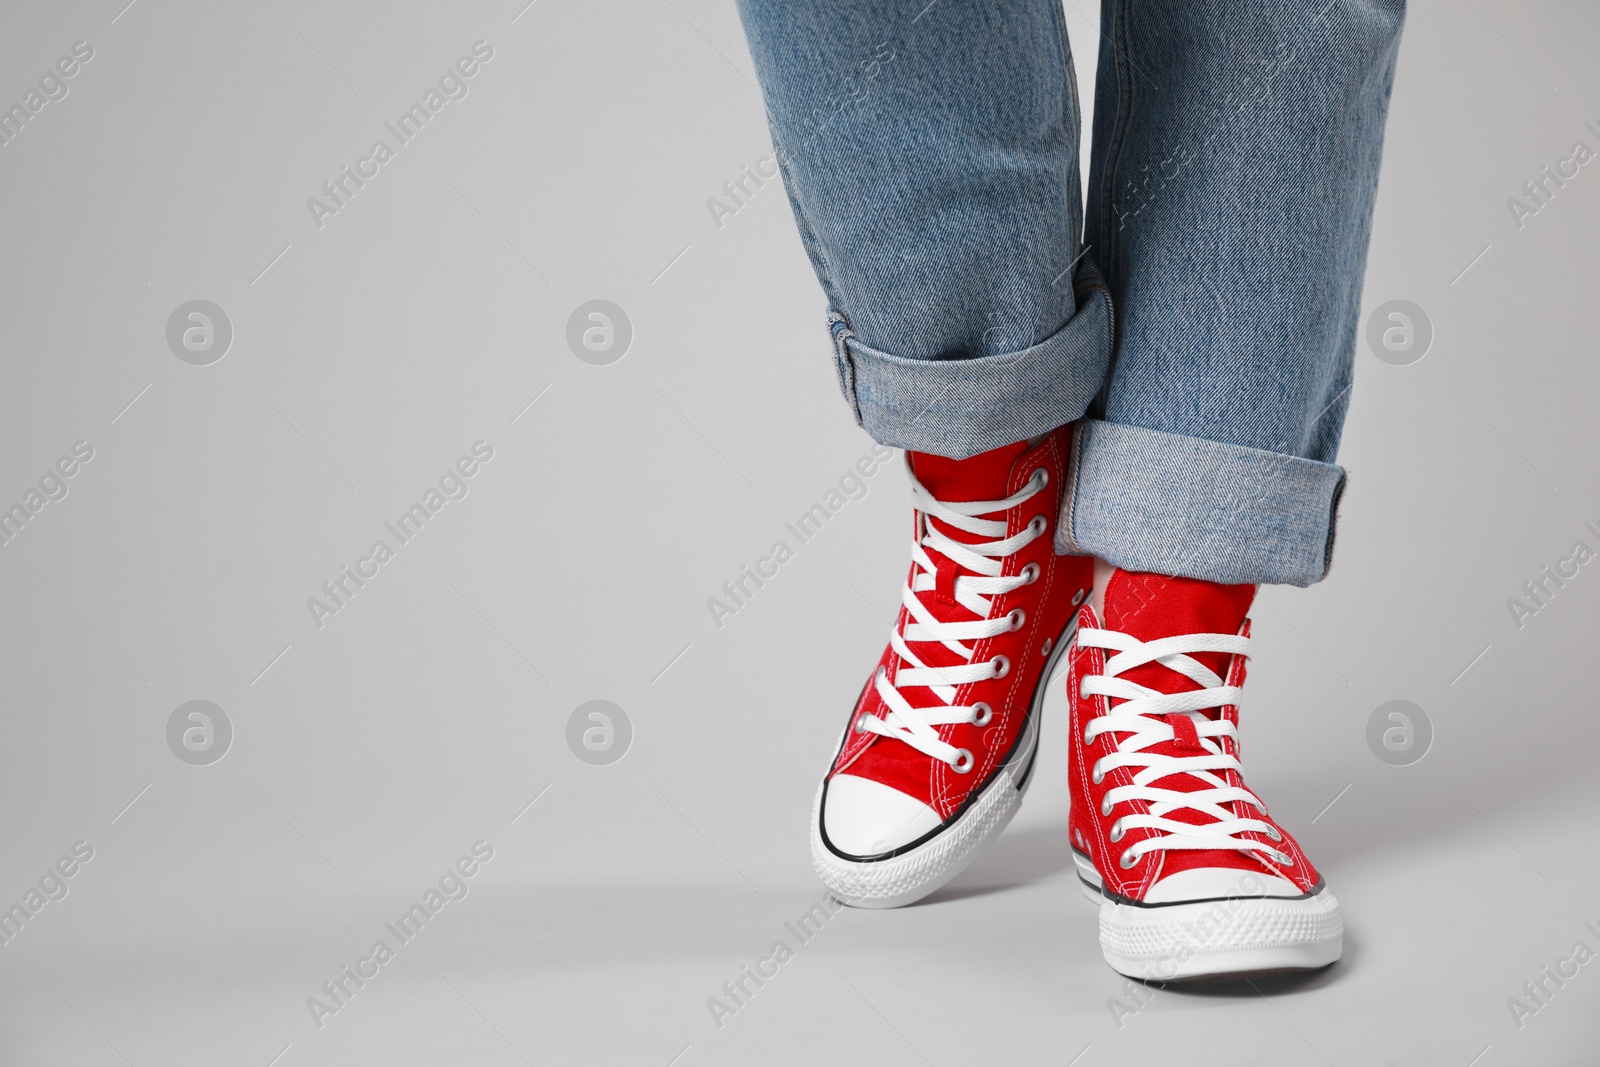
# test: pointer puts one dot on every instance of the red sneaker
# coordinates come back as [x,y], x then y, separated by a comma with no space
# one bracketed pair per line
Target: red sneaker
[1193,877]
[940,746]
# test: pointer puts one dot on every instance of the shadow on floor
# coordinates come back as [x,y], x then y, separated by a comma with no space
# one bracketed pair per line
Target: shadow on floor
[1017,858]
[1269,985]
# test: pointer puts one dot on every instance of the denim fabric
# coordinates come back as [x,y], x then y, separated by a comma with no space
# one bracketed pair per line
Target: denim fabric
[1176,504]
[972,403]
[929,152]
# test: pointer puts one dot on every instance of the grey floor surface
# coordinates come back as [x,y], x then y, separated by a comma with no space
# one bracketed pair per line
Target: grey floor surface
[367,750]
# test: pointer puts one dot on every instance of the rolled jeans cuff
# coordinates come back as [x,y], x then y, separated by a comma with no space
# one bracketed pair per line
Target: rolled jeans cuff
[960,407]
[1146,500]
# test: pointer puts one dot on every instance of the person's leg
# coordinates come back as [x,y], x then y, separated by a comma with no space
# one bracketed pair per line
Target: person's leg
[930,151]
[1236,150]
[1235,161]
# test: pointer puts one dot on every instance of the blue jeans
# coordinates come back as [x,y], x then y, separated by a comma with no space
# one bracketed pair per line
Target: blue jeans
[930,154]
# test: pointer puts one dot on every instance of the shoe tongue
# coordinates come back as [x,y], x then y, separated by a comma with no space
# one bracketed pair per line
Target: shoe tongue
[955,481]
[960,481]
[1152,606]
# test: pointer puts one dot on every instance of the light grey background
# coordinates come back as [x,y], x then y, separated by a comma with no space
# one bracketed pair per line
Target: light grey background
[425,716]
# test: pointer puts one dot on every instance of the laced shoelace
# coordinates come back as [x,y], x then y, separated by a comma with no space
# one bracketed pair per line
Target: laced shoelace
[978,581]
[1139,713]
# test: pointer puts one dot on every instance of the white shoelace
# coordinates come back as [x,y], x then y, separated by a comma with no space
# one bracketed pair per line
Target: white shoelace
[978,581]
[1138,715]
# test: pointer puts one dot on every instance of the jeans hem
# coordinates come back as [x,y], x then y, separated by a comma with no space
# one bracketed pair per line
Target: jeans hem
[1146,500]
[961,407]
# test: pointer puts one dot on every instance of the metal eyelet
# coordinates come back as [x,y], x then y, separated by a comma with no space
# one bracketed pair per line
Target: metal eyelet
[1273,832]
[1116,831]
[1002,666]
[1096,775]
[963,762]
[982,714]
[1081,683]
[1029,574]
[1043,475]
[1039,525]
[1049,643]
[1124,862]
[1019,619]
[1285,859]
[1079,596]
[1106,806]
[861,725]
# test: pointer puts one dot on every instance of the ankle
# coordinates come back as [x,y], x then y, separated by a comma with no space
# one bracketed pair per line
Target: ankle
[1097,593]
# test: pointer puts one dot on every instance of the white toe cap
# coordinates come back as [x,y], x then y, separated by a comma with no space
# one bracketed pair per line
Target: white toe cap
[1207,883]
[863,818]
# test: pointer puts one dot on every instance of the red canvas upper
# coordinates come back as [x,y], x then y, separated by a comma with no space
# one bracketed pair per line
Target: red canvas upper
[1149,607]
[962,480]
[1048,602]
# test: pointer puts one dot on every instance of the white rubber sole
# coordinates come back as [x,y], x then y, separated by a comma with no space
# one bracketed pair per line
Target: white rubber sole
[908,877]
[1233,935]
